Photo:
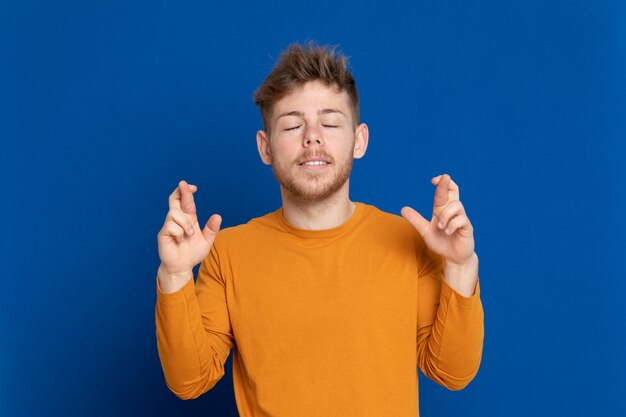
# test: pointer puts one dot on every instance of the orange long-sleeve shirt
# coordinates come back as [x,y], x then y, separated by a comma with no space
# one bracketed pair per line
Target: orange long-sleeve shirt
[321,322]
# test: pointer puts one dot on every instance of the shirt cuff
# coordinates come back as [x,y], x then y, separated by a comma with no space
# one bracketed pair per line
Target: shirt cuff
[176,297]
[463,302]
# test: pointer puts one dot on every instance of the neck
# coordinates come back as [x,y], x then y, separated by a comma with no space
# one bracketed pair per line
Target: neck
[318,215]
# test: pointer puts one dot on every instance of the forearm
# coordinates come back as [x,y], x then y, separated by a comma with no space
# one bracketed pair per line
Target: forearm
[190,364]
[450,350]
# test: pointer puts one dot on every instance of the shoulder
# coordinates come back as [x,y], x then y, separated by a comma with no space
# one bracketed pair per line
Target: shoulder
[251,231]
[391,233]
[388,228]
[378,218]
[396,230]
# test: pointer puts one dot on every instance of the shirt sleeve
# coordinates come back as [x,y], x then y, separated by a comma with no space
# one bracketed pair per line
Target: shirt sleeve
[450,327]
[193,331]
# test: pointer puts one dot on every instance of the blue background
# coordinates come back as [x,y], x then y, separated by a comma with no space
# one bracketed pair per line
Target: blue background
[105,106]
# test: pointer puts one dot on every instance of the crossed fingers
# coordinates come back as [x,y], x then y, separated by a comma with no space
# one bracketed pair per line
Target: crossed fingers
[448,211]
[181,203]
[182,198]
[446,191]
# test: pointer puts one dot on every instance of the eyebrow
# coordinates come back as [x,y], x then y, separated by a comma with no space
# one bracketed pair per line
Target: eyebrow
[319,112]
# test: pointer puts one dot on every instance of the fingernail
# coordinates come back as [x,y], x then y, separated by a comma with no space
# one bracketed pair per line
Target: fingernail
[440,225]
[448,231]
[190,231]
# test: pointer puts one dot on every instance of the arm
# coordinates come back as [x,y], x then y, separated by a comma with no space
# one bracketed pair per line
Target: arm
[450,314]
[193,331]
[193,342]
[450,327]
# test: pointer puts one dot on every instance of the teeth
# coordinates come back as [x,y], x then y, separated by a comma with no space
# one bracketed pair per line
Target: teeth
[315,163]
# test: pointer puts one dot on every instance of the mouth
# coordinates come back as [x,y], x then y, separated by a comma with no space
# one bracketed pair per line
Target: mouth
[314,163]
[313,160]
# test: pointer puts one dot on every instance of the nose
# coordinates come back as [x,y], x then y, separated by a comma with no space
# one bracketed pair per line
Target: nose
[312,137]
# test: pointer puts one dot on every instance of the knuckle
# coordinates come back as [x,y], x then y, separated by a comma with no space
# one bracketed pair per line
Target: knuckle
[174,212]
[181,219]
[174,229]
[172,219]
[171,228]
[447,212]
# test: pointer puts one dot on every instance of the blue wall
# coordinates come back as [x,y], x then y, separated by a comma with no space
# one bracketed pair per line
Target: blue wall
[104,107]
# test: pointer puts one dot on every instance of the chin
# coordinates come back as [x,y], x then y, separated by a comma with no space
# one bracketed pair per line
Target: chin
[314,192]
[314,188]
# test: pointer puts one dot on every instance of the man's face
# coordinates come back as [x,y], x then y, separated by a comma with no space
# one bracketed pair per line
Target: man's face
[312,142]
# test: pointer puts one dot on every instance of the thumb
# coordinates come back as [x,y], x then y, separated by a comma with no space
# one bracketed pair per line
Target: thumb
[416,219]
[212,227]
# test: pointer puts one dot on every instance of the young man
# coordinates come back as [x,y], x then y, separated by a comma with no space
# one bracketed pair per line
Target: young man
[329,305]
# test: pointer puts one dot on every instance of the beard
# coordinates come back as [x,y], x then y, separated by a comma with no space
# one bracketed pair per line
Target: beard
[313,186]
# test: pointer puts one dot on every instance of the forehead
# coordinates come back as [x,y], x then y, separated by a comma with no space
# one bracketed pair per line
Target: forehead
[311,97]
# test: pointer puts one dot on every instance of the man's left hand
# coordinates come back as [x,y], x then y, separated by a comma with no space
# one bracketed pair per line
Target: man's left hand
[449,233]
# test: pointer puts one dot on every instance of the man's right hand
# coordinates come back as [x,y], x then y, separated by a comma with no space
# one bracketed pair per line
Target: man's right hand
[182,245]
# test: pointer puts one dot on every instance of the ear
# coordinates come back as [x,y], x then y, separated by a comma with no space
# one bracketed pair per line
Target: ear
[263,145]
[360,142]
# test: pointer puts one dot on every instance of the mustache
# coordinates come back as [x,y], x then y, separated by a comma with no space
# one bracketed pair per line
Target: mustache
[318,154]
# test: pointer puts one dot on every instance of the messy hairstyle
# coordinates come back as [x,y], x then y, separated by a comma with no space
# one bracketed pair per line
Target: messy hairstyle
[299,64]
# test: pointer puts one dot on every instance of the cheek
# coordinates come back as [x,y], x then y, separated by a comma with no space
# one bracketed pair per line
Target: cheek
[283,154]
[345,144]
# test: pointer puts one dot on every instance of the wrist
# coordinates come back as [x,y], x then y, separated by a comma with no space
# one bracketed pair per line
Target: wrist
[170,282]
[462,277]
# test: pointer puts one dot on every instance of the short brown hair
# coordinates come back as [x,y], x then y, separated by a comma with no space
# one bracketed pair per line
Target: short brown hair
[299,64]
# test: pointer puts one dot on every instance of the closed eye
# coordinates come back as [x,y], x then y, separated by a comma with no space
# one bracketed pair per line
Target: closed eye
[292,128]
[330,125]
